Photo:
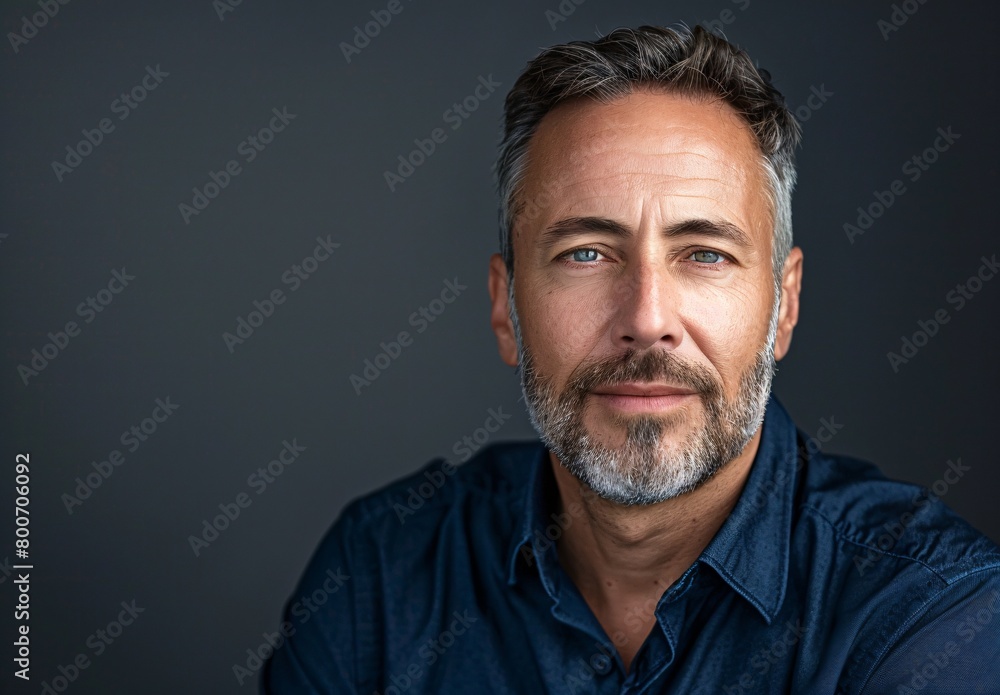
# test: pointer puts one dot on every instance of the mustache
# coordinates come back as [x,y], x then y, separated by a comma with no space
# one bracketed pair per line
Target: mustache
[633,366]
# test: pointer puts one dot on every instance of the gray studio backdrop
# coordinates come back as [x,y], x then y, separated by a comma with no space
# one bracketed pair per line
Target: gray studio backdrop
[218,217]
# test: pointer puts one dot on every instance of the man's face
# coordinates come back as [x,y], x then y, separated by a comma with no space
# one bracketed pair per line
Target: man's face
[646,311]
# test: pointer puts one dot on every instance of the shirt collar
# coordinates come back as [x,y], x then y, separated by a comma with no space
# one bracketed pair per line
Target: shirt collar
[751,550]
[761,519]
[528,540]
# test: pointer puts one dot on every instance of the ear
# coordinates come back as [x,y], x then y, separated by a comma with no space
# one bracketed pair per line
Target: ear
[500,313]
[788,312]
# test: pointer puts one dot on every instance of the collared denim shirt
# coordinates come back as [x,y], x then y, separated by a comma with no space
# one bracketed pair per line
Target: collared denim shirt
[825,578]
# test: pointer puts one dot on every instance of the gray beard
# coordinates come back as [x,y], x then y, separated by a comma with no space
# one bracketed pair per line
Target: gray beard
[641,471]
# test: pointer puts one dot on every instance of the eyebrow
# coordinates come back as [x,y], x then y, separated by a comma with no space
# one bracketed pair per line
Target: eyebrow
[575,226]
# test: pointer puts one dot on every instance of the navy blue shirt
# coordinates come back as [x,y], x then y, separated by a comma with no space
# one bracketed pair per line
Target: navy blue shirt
[825,578]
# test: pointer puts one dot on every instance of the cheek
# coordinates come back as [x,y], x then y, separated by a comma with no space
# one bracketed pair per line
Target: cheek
[727,328]
[565,324]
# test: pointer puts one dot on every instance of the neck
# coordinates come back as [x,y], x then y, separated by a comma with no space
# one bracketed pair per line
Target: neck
[621,557]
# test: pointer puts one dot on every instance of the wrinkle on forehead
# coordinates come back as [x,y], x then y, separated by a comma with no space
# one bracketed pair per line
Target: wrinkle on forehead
[648,140]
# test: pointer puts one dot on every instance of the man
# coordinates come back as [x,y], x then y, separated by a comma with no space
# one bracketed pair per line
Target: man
[673,531]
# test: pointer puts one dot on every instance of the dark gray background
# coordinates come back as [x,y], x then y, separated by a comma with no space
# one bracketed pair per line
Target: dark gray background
[162,336]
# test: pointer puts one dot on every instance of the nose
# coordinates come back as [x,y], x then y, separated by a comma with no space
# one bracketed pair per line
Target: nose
[646,306]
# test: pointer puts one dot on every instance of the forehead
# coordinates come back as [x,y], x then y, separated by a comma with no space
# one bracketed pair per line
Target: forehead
[677,155]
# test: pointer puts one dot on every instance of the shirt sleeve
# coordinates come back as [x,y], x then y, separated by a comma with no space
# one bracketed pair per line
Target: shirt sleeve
[315,648]
[953,647]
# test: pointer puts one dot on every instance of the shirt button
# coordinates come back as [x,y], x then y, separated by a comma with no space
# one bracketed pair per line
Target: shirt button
[601,663]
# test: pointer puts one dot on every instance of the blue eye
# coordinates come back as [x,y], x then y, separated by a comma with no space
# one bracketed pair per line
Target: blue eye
[708,257]
[584,255]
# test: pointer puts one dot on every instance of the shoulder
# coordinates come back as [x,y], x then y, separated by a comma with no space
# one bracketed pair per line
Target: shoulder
[385,548]
[885,518]
[916,580]
[397,529]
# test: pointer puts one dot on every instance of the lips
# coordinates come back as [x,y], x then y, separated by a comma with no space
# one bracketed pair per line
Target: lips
[645,390]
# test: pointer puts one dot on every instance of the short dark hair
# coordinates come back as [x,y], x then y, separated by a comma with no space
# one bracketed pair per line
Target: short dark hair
[691,62]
